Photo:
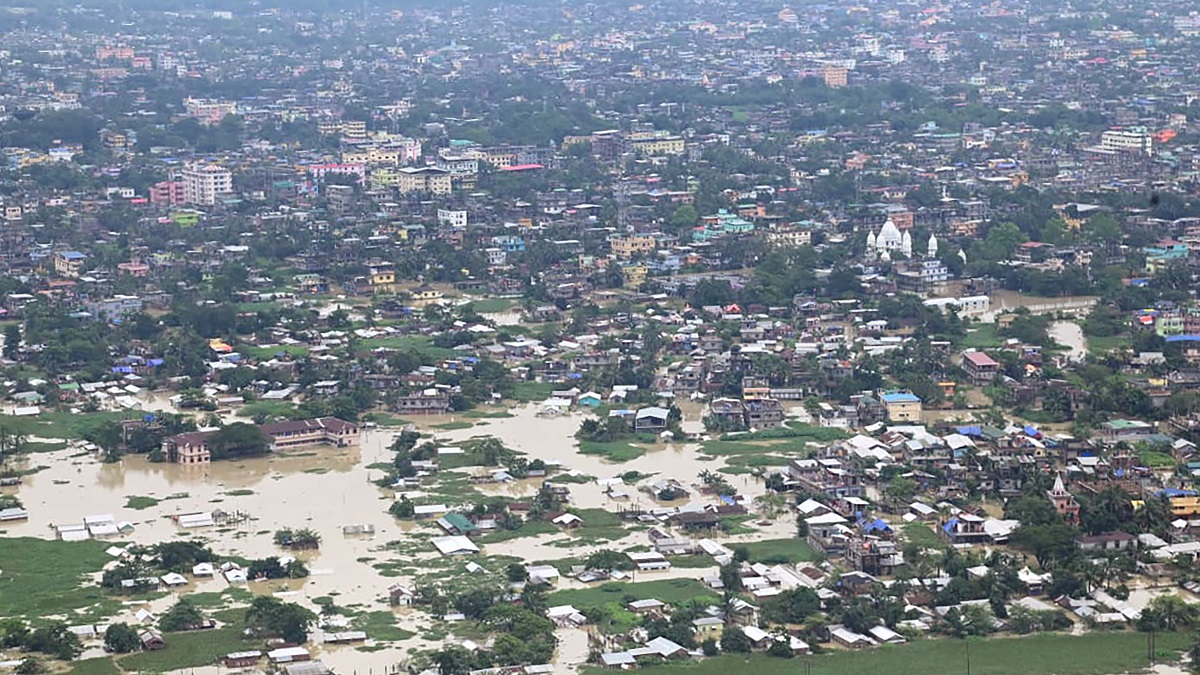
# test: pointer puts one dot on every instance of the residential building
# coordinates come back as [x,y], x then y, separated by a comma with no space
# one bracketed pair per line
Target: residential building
[209,111]
[902,406]
[980,368]
[426,179]
[204,184]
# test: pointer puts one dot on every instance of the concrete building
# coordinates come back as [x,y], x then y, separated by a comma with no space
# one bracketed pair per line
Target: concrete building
[203,184]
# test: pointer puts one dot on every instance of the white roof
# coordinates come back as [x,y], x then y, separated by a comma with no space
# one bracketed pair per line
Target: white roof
[454,545]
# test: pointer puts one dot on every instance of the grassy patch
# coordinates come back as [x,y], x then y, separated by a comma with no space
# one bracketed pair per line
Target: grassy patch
[1099,346]
[453,426]
[381,626]
[138,502]
[244,492]
[671,591]
[923,536]
[41,446]
[613,451]
[100,666]
[1090,654]
[575,478]
[267,353]
[780,551]
[56,424]
[189,650]
[532,528]
[1156,460]
[269,409]
[489,305]
[44,577]
[981,336]
[421,344]
[530,392]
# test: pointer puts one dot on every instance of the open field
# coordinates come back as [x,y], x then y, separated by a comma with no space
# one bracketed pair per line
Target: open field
[37,576]
[670,591]
[189,650]
[775,551]
[1091,654]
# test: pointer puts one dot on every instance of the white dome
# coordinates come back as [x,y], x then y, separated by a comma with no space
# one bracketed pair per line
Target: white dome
[932,249]
[885,256]
[870,241]
[889,237]
[906,243]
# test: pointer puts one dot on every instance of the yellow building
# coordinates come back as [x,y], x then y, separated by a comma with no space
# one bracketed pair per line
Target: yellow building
[656,143]
[628,247]
[424,179]
[381,277]
[635,275]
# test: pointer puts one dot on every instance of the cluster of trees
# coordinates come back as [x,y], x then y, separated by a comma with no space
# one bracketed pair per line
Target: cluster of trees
[303,538]
[270,617]
[52,639]
[523,633]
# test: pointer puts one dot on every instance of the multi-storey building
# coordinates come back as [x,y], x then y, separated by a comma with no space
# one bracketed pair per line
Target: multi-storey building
[203,184]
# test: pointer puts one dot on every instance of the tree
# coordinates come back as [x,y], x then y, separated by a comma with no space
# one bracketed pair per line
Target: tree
[1046,542]
[453,660]
[238,440]
[1167,612]
[12,341]
[271,617]
[734,640]
[120,638]
[54,639]
[30,665]
[182,616]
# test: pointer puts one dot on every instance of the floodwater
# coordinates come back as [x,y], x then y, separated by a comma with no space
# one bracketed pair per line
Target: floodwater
[1007,301]
[1070,334]
[325,488]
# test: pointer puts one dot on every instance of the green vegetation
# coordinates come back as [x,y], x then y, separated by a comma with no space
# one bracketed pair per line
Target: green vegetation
[670,591]
[268,409]
[189,650]
[1156,460]
[454,426]
[138,503]
[981,336]
[55,424]
[381,626]
[43,578]
[99,666]
[613,451]
[530,392]
[780,551]
[922,535]
[1090,654]
[532,528]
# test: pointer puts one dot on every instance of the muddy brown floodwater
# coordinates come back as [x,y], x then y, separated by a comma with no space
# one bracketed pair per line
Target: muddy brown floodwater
[324,489]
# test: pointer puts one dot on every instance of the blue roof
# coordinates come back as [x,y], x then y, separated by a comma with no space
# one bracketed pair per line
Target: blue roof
[1174,492]
[73,255]
[1182,338]
[970,430]
[1031,430]
[900,397]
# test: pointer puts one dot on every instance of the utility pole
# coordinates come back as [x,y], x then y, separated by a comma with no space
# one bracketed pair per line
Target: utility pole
[968,646]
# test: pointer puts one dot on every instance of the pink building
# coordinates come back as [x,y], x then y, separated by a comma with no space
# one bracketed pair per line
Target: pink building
[169,192]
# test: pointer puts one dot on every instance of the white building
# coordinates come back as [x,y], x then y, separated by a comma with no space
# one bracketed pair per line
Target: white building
[1130,139]
[203,184]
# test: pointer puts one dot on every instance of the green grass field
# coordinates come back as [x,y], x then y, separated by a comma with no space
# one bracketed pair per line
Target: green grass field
[671,591]
[189,650]
[981,336]
[420,344]
[774,551]
[55,424]
[531,392]
[98,666]
[923,535]
[613,451]
[1092,654]
[488,305]
[42,578]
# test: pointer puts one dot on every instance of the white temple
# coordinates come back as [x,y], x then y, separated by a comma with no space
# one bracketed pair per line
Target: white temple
[888,239]
[931,250]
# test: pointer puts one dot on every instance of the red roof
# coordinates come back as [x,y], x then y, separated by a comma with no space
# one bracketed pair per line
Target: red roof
[979,359]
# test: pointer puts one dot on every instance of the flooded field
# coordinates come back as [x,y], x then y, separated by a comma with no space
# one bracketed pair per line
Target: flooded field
[325,489]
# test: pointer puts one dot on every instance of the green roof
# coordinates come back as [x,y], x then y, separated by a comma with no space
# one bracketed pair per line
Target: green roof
[460,522]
